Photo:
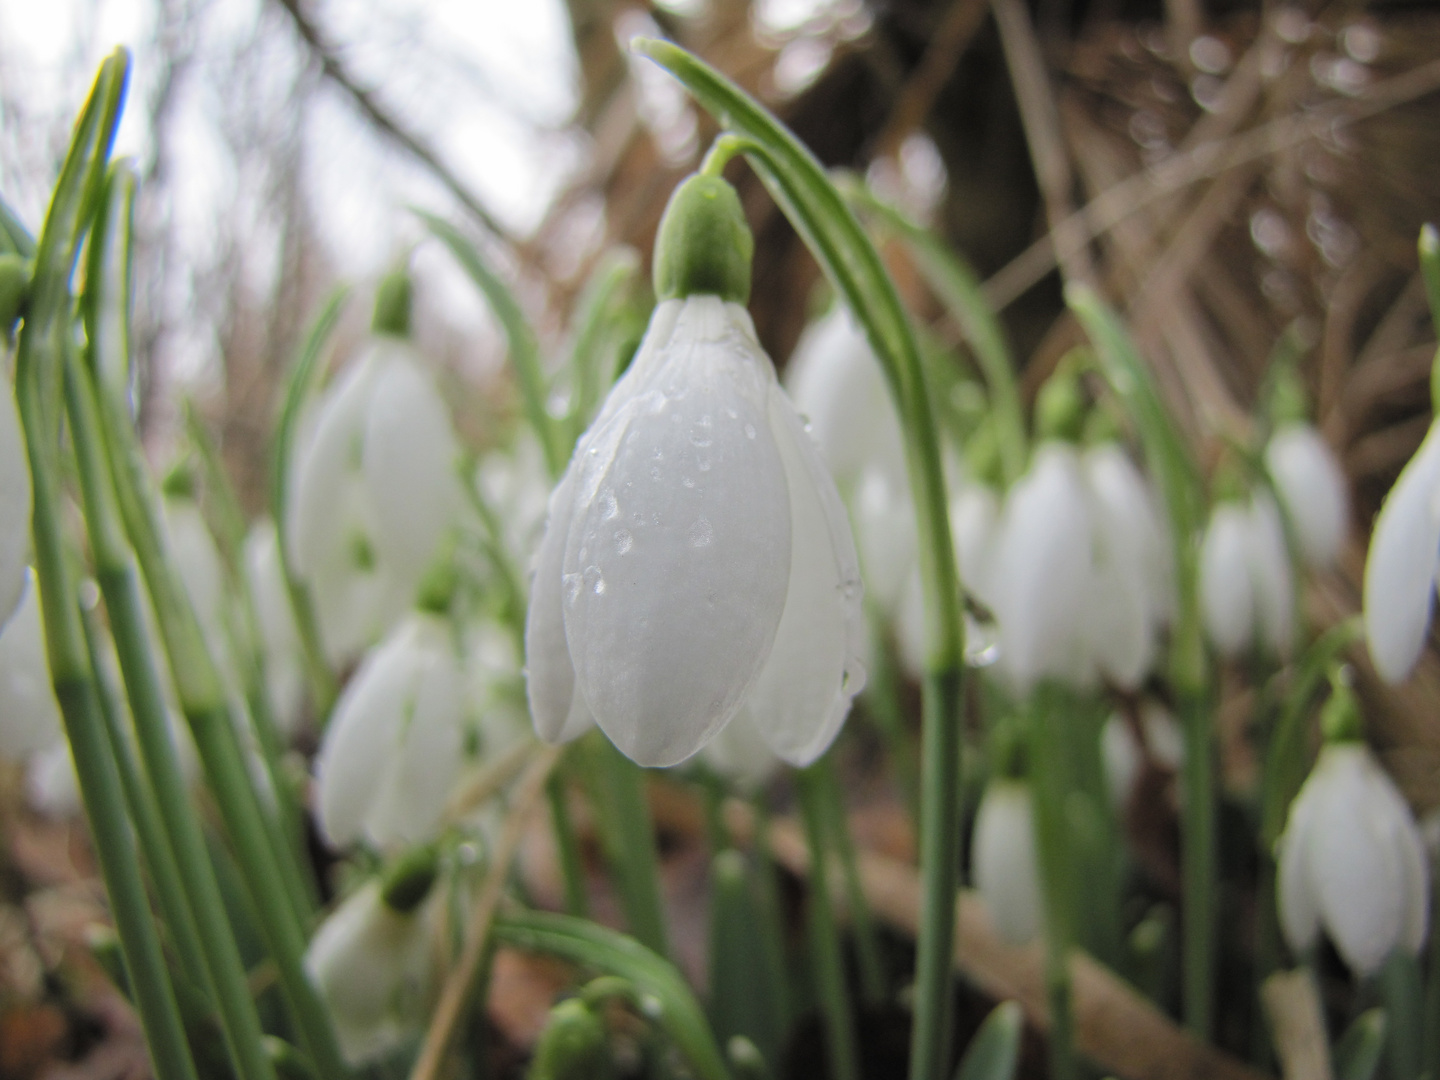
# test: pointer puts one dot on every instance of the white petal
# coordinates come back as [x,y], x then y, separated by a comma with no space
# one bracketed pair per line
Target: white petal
[1397,831]
[804,690]
[885,530]
[322,510]
[1271,576]
[1400,568]
[1042,570]
[1294,892]
[1226,599]
[29,716]
[14,503]
[408,463]
[362,737]
[1004,863]
[1355,877]
[556,705]
[50,782]
[1120,757]
[679,552]
[974,518]
[1313,489]
[835,382]
[741,754]
[284,676]
[421,770]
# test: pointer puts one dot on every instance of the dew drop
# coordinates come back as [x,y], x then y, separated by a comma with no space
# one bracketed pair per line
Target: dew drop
[608,505]
[655,472]
[623,541]
[703,464]
[701,534]
[688,481]
[658,454]
[749,431]
[731,413]
[594,581]
[703,434]
[572,584]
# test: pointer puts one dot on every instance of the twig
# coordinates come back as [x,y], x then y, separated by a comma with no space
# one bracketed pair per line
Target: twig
[1203,161]
[390,126]
[458,985]
[951,38]
[1041,120]
[1293,1005]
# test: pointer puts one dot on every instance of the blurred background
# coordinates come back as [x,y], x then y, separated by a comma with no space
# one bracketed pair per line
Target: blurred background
[1237,177]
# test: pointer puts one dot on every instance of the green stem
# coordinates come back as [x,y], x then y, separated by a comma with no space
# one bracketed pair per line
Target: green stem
[323,686]
[223,972]
[1430,1043]
[629,838]
[158,855]
[867,943]
[596,332]
[1048,792]
[772,918]
[826,960]
[1197,849]
[266,865]
[572,871]
[39,375]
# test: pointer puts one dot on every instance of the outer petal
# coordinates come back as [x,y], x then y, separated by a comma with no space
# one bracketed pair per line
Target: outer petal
[14,503]
[1397,831]
[741,753]
[1356,878]
[322,510]
[885,528]
[362,737]
[1042,570]
[284,677]
[409,462]
[1271,576]
[1226,599]
[421,769]
[1295,892]
[557,707]
[1400,569]
[29,716]
[1004,862]
[1313,489]
[678,556]
[815,667]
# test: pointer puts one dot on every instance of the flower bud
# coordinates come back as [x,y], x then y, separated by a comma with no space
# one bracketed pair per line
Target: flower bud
[573,1045]
[1004,861]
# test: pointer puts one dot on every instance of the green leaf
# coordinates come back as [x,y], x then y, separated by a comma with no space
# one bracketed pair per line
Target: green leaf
[14,237]
[958,288]
[994,1052]
[596,328]
[524,348]
[664,993]
[1357,1054]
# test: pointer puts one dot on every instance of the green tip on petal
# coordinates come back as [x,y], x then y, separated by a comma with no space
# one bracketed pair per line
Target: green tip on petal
[1061,407]
[392,304]
[704,246]
[407,882]
[1340,718]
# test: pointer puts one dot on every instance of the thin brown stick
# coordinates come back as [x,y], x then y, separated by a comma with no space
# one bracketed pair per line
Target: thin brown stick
[488,781]
[1041,120]
[390,126]
[952,37]
[1293,1005]
[458,984]
[1201,162]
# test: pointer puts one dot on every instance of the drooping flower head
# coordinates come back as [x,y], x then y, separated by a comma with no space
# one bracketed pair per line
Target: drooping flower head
[697,557]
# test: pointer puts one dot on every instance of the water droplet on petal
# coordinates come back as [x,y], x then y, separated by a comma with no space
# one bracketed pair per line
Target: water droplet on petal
[572,587]
[688,481]
[623,541]
[703,434]
[749,431]
[594,581]
[701,533]
[655,472]
[609,507]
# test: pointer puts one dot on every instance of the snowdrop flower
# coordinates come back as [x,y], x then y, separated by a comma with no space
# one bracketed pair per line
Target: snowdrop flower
[375,968]
[697,557]
[392,749]
[372,493]
[1246,584]
[1351,861]
[1079,583]
[1312,488]
[1004,863]
[14,504]
[1122,754]
[1400,569]
[741,754]
[834,379]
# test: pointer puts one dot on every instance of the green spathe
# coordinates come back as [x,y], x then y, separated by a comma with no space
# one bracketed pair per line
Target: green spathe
[704,244]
